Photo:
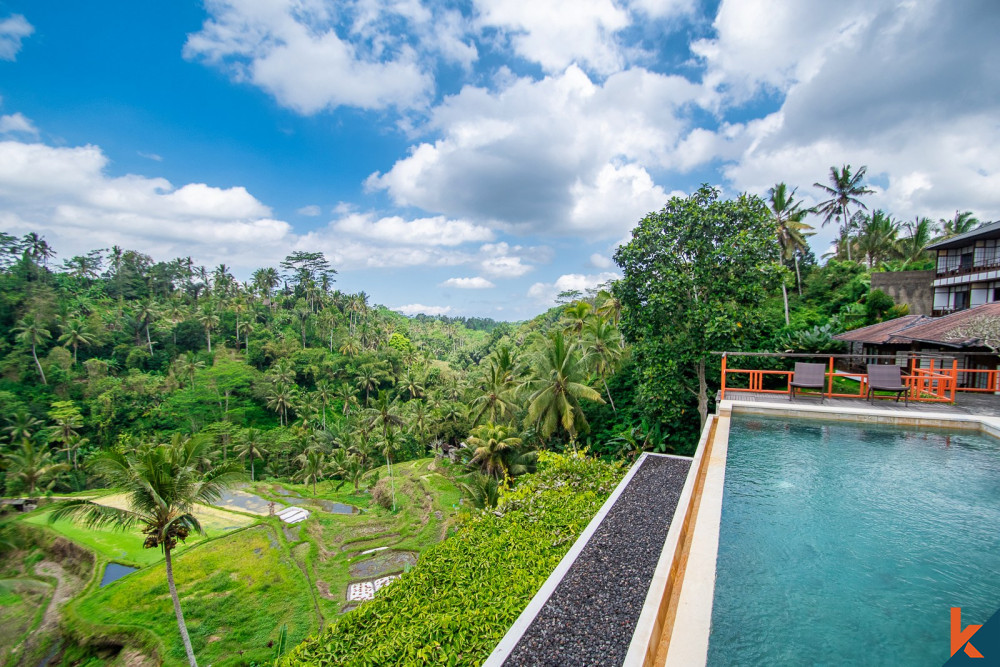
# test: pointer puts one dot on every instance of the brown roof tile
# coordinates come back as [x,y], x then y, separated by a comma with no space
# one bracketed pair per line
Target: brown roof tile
[882,332]
[939,329]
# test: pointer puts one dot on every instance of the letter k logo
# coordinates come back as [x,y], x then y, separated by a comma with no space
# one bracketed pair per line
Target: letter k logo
[960,637]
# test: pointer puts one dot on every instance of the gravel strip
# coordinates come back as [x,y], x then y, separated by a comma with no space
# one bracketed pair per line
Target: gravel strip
[590,617]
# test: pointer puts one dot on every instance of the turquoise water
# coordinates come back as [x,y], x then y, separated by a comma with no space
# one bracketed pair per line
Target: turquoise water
[848,545]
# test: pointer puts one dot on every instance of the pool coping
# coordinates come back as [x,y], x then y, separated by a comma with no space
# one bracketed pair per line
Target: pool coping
[514,633]
[684,637]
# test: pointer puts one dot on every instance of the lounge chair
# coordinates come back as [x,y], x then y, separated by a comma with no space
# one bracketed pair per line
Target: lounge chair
[887,377]
[808,376]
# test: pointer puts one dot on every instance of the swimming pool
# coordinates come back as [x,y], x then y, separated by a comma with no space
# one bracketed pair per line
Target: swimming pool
[845,543]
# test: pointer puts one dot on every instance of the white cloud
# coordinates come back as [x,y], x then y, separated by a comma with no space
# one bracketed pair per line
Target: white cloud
[312,210]
[150,156]
[16,123]
[501,260]
[561,155]
[558,33]
[422,231]
[66,194]
[599,261]
[313,55]
[546,293]
[12,30]
[417,308]
[476,282]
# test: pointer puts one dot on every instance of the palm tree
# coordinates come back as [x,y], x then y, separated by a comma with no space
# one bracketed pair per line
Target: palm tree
[412,384]
[494,397]
[312,467]
[483,490]
[369,378]
[302,313]
[350,346]
[32,466]
[556,389]
[960,224]
[250,445]
[913,248]
[74,334]
[163,483]
[876,238]
[21,426]
[324,392]
[209,319]
[845,192]
[347,396]
[349,468]
[602,351]
[31,332]
[384,413]
[610,306]
[145,313]
[176,313]
[494,447]
[280,398]
[788,216]
[576,316]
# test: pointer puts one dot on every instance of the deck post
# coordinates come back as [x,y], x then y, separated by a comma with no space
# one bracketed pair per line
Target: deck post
[930,377]
[954,378]
[829,394]
[722,392]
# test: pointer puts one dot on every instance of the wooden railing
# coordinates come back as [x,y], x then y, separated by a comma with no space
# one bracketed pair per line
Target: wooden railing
[936,382]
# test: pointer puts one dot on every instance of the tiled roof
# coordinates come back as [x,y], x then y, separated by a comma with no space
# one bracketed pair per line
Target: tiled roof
[882,332]
[988,230]
[941,329]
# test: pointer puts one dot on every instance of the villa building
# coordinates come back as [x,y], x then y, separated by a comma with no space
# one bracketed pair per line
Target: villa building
[968,270]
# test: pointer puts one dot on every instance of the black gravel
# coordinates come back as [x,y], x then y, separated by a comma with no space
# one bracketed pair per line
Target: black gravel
[590,617]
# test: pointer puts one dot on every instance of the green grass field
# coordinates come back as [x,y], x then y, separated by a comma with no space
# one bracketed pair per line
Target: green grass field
[22,602]
[235,592]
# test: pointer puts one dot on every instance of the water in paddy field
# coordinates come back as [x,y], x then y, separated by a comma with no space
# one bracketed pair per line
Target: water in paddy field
[115,571]
[846,544]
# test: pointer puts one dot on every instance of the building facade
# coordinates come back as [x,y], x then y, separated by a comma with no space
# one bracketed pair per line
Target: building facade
[968,270]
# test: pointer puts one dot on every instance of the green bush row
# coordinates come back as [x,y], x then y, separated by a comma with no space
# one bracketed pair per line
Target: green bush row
[459,600]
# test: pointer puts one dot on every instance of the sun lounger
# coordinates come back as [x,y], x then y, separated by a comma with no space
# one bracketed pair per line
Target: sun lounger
[887,377]
[808,376]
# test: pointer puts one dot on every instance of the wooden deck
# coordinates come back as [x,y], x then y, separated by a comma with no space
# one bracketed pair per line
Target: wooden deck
[965,403]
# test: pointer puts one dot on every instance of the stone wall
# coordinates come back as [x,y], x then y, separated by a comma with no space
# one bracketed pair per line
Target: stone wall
[912,287]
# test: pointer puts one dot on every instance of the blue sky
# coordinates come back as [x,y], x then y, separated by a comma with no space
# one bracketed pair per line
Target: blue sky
[473,158]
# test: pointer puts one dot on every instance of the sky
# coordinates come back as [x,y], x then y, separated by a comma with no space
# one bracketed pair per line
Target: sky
[475,157]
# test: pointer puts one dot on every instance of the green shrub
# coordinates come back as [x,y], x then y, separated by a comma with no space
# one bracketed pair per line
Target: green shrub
[459,600]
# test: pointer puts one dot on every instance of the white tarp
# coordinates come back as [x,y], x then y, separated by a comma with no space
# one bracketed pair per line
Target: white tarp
[293,514]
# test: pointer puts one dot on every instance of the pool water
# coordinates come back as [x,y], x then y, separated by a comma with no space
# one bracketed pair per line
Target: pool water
[848,544]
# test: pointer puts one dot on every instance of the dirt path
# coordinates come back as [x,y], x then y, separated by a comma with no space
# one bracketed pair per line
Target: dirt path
[66,587]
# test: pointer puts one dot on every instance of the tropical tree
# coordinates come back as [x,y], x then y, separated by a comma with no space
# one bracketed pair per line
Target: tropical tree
[76,333]
[145,313]
[844,191]
[312,467]
[163,484]
[494,394]
[31,332]
[32,466]
[575,316]
[913,247]
[281,398]
[496,451]
[324,392]
[68,422]
[209,319]
[483,490]
[877,236]
[602,345]
[556,388]
[960,223]
[21,426]
[788,215]
[250,445]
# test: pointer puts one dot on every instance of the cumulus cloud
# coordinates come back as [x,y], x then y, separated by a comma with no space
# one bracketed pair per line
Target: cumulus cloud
[435,231]
[599,261]
[561,155]
[13,29]
[476,282]
[502,260]
[418,308]
[16,123]
[313,56]
[311,211]
[546,293]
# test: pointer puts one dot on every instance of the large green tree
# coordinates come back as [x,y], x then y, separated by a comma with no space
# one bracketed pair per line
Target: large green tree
[696,274]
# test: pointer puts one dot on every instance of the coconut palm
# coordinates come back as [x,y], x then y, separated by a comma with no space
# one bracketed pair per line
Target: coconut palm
[162,483]
[324,393]
[960,223]
[74,334]
[483,490]
[609,306]
[347,396]
[788,216]
[209,319]
[494,394]
[844,191]
[496,451]
[250,445]
[876,239]
[369,378]
[312,467]
[31,332]
[575,316]
[21,426]
[145,313]
[556,388]
[281,398]
[913,248]
[33,465]
[602,351]
[412,384]
[384,413]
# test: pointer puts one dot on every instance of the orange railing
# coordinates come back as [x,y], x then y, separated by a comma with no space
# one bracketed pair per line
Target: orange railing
[934,383]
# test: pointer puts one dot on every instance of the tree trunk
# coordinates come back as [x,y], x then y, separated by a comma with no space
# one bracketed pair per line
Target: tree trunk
[608,392]
[39,365]
[251,468]
[208,337]
[784,294]
[149,341]
[798,275]
[75,346]
[177,610]
[702,394]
